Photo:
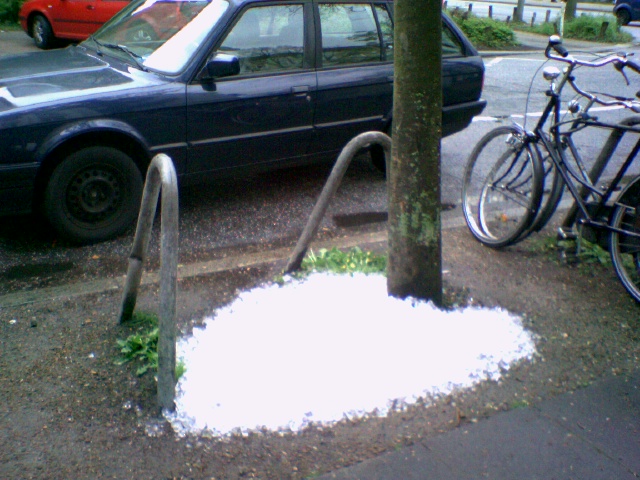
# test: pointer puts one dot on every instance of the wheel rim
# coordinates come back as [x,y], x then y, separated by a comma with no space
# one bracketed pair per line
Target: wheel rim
[94,195]
[500,192]
[38,31]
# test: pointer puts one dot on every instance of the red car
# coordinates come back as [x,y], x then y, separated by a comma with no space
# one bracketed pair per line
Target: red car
[49,20]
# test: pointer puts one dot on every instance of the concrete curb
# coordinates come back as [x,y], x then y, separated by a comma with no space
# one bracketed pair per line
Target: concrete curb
[450,219]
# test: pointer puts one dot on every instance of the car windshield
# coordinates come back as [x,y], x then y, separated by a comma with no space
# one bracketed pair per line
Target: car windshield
[160,35]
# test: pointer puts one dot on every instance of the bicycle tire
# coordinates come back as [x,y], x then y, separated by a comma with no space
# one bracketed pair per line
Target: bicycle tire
[625,249]
[502,187]
[552,191]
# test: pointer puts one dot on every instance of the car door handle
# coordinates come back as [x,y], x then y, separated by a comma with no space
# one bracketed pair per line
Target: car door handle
[90,7]
[300,90]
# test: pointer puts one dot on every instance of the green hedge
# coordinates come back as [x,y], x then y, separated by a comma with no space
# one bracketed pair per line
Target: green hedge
[9,10]
[587,27]
[485,32]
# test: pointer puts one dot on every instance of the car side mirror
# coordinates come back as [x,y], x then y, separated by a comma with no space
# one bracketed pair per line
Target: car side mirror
[222,65]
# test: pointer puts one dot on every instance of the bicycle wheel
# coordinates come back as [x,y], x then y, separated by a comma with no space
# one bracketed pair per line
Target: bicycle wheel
[502,187]
[552,190]
[624,248]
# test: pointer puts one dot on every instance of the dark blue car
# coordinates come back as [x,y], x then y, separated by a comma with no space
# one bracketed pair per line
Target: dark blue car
[218,85]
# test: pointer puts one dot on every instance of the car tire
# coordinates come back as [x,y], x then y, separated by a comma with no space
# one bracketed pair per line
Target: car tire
[93,195]
[42,32]
[623,16]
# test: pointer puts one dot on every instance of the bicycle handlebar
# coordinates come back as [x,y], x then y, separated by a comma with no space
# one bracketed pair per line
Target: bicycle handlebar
[555,43]
[619,60]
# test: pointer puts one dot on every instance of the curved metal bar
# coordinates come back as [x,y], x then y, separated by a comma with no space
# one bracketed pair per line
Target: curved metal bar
[333,182]
[161,174]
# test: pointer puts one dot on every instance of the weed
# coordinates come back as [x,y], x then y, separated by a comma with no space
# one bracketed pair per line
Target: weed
[142,346]
[581,251]
[337,261]
[518,404]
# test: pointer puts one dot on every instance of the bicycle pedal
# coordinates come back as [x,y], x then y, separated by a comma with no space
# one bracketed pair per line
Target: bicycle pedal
[568,246]
[566,234]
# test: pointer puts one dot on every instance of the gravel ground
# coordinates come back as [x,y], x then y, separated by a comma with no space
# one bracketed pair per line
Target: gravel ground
[69,412]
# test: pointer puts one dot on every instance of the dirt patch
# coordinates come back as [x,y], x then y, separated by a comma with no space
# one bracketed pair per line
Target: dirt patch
[69,412]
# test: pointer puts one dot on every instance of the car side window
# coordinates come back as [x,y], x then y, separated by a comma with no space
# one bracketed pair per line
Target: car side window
[451,45]
[349,34]
[268,39]
[386,29]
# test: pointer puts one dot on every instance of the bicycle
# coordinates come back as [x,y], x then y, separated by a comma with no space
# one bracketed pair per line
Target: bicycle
[514,179]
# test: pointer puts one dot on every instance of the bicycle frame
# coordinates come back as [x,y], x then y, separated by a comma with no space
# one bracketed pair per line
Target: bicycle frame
[571,178]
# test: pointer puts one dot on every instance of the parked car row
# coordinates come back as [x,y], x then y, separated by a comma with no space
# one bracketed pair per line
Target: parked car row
[221,86]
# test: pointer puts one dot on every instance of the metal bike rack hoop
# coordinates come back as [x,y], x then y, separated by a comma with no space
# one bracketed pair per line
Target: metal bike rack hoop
[331,186]
[160,174]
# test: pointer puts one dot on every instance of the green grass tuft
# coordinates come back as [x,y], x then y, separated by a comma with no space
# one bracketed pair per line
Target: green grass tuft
[142,346]
[337,261]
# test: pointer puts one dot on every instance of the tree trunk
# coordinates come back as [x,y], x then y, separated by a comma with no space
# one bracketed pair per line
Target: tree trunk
[570,10]
[415,264]
[519,12]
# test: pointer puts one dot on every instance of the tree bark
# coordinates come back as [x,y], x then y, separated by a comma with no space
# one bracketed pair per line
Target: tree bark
[519,12]
[415,265]
[570,10]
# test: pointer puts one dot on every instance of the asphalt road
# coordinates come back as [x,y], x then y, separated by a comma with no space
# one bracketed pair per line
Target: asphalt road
[15,41]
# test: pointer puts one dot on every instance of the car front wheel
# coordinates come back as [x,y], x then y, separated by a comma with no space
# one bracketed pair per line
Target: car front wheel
[623,16]
[42,32]
[93,195]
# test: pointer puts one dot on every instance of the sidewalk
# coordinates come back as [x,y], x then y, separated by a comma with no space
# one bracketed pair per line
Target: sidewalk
[69,410]
[592,434]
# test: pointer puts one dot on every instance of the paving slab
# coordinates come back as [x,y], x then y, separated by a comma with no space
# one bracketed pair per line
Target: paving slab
[591,434]
[607,415]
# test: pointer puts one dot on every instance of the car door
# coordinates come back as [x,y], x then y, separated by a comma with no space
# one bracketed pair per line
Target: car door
[264,114]
[355,74]
[462,78]
[80,18]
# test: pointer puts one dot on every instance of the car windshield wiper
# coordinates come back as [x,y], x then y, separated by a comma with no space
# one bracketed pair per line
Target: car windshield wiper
[123,48]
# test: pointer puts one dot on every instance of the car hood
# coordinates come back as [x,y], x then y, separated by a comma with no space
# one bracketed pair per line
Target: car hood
[42,77]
